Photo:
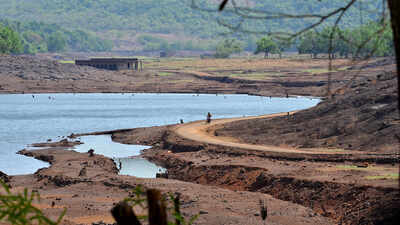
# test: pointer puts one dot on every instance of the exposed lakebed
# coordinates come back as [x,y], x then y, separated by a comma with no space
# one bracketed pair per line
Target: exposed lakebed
[26,119]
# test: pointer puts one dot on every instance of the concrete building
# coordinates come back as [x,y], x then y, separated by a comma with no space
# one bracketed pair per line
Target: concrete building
[112,63]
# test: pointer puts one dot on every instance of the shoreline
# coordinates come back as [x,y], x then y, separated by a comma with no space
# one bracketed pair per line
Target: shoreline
[178,155]
[61,181]
[177,162]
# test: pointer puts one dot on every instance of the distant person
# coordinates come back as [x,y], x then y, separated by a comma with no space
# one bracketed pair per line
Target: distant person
[209,117]
[181,121]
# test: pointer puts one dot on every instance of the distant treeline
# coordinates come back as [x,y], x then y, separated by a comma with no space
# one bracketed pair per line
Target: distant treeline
[34,37]
[369,40]
[155,43]
[173,16]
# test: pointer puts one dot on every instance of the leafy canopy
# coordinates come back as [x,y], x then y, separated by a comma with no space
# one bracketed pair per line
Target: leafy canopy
[266,45]
[9,41]
[227,47]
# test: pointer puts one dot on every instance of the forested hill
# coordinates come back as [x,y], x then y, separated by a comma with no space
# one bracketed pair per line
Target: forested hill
[163,16]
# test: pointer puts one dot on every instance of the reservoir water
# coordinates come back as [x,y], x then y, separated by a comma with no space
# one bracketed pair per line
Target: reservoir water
[26,119]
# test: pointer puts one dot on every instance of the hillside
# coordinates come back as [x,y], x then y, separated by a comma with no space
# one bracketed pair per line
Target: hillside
[118,17]
[365,118]
[39,37]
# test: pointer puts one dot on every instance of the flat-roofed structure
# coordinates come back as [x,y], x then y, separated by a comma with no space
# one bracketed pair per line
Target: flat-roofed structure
[112,63]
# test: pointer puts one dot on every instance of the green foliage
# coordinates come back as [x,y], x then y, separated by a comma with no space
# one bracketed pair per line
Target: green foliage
[9,41]
[371,39]
[310,43]
[266,45]
[155,43]
[227,47]
[56,42]
[167,16]
[40,37]
[18,209]
[80,40]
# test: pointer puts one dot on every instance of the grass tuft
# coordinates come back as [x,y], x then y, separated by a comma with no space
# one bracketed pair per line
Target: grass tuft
[383,177]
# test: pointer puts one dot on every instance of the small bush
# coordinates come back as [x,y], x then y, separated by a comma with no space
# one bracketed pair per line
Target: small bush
[18,208]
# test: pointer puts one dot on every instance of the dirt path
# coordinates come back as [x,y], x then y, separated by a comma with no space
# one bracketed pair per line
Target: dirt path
[202,132]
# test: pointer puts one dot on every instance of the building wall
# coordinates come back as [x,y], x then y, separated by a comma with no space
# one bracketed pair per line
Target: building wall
[133,65]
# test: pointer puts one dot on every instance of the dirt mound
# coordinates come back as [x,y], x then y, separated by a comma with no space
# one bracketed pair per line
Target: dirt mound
[33,68]
[365,117]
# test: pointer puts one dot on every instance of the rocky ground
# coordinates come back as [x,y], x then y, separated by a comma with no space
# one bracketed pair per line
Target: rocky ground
[29,74]
[274,77]
[364,116]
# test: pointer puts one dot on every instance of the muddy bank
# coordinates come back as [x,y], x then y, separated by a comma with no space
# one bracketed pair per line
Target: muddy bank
[338,195]
[335,186]
[88,186]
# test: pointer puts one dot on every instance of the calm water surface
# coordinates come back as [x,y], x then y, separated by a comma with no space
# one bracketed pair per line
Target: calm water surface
[125,156]
[25,120]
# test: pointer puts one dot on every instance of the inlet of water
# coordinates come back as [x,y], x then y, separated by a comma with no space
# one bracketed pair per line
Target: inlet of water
[126,157]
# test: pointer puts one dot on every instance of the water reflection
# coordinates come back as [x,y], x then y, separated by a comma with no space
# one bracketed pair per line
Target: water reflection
[126,156]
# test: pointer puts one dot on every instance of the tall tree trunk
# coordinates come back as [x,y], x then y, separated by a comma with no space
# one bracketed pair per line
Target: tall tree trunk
[394,7]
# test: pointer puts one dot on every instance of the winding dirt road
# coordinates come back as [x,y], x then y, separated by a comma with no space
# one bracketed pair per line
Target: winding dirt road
[200,131]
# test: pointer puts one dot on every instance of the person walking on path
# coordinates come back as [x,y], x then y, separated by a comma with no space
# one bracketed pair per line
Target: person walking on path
[209,117]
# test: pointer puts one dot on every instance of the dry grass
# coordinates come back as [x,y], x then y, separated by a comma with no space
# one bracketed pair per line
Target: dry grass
[383,177]
[351,167]
[164,74]
[240,64]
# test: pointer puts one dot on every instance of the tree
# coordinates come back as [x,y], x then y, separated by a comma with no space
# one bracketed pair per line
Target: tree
[309,44]
[9,41]
[56,42]
[283,45]
[266,45]
[227,47]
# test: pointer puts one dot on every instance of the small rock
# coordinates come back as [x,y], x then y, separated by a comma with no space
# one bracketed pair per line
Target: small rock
[82,173]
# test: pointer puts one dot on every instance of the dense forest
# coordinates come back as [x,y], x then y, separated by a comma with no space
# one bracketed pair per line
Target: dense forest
[175,24]
[41,37]
[164,16]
